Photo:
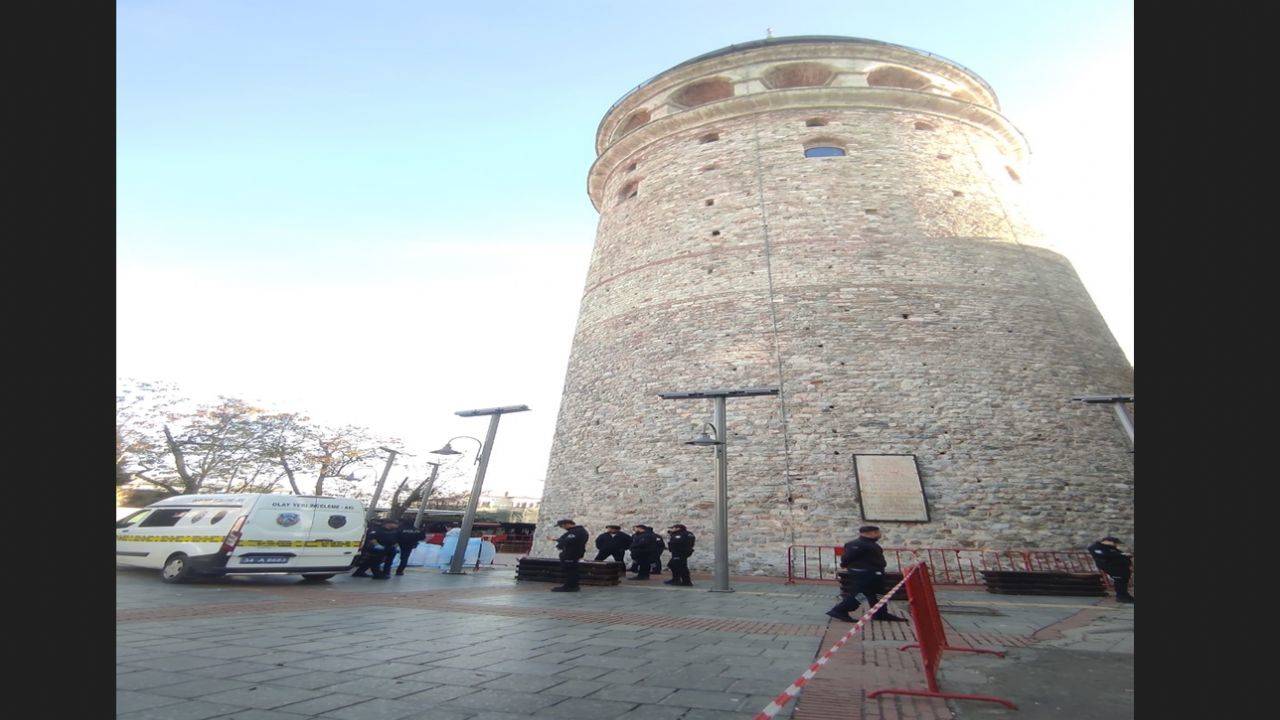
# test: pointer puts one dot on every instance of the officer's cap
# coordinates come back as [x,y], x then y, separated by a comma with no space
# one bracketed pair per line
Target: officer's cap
[1110,539]
[678,526]
[566,521]
[612,527]
[868,528]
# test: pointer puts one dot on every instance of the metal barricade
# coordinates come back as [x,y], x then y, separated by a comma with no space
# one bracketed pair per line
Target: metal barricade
[950,566]
[931,640]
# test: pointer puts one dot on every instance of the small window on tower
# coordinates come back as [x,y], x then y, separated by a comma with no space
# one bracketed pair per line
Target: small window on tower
[823,151]
[709,138]
[629,191]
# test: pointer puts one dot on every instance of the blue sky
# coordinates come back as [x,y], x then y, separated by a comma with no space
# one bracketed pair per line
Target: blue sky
[347,207]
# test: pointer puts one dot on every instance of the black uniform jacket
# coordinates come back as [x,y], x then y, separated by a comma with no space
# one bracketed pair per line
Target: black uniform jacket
[410,537]
[661,544]
[863,554]
[1109,559]
[681,544]
[385,538]
[644,544]
[573,543]
[613,542]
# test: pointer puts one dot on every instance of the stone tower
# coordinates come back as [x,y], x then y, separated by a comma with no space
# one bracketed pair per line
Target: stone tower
[842,218]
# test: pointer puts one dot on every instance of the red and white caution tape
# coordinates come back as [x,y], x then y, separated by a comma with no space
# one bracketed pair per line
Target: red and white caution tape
[786,696]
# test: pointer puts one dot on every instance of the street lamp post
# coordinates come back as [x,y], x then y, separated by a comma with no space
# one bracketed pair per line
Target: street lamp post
[377,493]
[426,487]
[486,448]
[721,444]
[1117,403]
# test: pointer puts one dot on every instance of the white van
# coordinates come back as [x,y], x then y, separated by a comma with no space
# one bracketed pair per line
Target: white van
[192,535]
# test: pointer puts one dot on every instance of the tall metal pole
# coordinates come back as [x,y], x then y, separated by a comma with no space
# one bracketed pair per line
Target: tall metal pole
[1117,403]
[424,489]
[1126,420]
[721,583]
[377,493]
[721,442]
[464,534]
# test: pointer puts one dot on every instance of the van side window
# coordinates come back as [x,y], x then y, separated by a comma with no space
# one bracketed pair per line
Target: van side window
[132,518]
[165,518]
[195,516]
[217,517]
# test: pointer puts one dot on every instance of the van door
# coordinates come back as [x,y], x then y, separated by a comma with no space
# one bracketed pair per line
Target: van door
[274,536]
[131,551]
[156,536]
[336,532]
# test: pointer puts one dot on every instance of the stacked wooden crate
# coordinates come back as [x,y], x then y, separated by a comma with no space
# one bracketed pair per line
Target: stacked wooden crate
[589,573]
[1010,582]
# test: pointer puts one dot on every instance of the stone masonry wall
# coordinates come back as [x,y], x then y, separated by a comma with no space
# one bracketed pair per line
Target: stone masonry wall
[916,312]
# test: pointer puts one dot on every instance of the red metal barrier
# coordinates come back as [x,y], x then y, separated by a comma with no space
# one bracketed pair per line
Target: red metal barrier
[520,546]
[954,566]
[931,638]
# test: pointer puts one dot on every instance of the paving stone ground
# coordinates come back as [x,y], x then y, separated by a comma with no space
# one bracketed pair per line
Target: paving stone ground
[429,646]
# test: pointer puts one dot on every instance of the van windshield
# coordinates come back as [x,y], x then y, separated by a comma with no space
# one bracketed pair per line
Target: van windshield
[132,518]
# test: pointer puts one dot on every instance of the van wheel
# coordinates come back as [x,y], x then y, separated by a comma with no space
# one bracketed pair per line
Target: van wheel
[177,569]
[316,577]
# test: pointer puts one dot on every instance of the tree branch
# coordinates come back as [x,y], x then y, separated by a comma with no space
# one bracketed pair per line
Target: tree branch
[179,461]
[158,483]
[284,461]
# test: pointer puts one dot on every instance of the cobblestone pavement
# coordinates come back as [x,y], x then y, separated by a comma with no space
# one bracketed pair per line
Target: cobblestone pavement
[482,647]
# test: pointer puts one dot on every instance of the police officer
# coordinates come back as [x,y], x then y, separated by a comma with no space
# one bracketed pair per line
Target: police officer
[657,553]
[864,558]
[644,547]
[409,539]
[637,530]
[572,546]
[369,548]
[380,548]
[1115,564]
[612,543]
[680,542]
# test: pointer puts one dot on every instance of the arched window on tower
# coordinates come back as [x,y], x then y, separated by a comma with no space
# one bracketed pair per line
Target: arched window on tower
[897,77]
[703,92]
[823,150]
[633,121]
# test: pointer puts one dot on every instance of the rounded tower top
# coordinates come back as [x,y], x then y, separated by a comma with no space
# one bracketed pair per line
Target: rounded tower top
[787,73]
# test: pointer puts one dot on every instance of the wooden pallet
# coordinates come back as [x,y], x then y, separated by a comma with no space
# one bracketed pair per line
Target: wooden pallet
[589,573]
[1009,582]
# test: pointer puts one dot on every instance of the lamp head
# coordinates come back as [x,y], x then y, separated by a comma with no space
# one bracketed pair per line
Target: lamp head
[703,440]
[446,450]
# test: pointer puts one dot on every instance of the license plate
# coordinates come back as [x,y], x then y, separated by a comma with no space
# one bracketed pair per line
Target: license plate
[264,560]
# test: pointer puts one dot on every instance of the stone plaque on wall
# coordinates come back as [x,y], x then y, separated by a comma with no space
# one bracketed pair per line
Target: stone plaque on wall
[889,488]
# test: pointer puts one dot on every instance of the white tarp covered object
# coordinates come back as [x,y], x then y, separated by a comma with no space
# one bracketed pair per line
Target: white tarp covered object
[438,556]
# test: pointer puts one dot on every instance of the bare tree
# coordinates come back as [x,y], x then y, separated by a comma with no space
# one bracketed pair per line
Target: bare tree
[231,446]
[334,452]
[141,409]
[285,442]
[183,453]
